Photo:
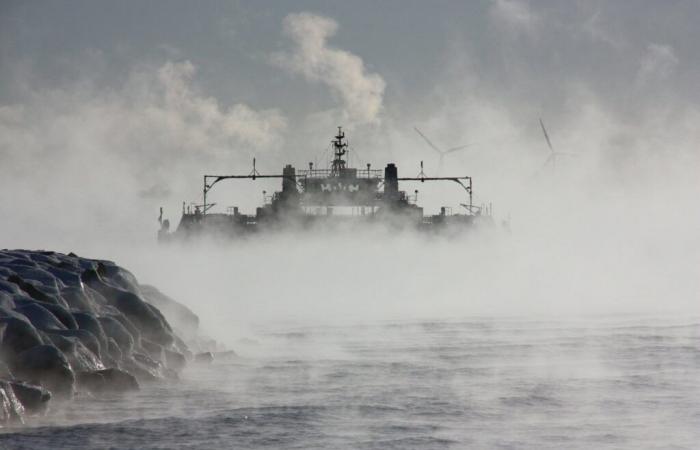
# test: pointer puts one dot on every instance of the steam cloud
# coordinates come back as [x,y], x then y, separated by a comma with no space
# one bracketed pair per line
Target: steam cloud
[157,117]
[94,161]
[343,72]
[91,152]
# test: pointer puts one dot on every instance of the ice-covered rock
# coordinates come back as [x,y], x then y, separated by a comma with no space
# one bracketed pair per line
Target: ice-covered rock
[40,317]
[107,380]
[184,321]
[69,323]
[16,336]
[11,409]
[47,365]
[204,358]
[34,399]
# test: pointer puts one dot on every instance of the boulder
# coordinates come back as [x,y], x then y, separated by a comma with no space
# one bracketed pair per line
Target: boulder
[180,346]
[78,355]
[40,317]
[5,372]
[107,380]
[84,263]
[178,315]
[64,319]
[62,314]
[16,336]
[126,323]
[44,256]
[88,339]
[35,399]
[41,276]
[47,365]
[144,368]
[174,360]
[155,351]
[117,276]
[89,322]
[11,409]
[116,331]
[204,358]
[114,351]
[149,323]
[7,300]
[119,380]
[8,312]
[97,299]
[37,291]
[6,286]
[78,299]
[69,278]
[227,355]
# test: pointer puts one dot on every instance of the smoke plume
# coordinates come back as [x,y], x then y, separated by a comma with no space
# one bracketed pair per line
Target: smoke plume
[341,71]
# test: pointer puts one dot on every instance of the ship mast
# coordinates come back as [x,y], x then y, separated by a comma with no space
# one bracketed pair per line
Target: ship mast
[339,150]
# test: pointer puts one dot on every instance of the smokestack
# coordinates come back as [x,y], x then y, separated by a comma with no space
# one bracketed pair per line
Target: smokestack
[391,182]
[289,183]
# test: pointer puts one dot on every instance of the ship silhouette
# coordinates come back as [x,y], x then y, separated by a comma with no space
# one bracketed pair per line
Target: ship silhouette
[338,195]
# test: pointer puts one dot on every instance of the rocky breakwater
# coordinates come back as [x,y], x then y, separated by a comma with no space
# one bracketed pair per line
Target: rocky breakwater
[70,324]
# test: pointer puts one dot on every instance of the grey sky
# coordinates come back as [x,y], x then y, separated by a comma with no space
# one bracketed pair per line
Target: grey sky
[524,51]
[150,94]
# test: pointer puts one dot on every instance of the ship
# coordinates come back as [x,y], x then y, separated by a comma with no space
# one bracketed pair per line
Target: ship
[333,197]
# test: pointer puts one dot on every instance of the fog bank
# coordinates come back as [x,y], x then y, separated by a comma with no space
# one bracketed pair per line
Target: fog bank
[94,141]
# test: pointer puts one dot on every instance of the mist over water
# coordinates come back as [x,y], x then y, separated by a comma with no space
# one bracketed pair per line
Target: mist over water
[568,253]
[573,323]
[481,382]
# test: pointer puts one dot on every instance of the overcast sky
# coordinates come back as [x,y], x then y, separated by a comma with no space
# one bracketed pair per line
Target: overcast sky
[149,95]
[524,51]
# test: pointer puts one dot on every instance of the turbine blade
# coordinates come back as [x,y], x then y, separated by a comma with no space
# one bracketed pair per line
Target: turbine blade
[546,136]
[428,141]
[456,149]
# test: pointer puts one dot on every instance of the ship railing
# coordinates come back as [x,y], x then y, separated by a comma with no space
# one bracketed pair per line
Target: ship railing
[358,211]
[325,173]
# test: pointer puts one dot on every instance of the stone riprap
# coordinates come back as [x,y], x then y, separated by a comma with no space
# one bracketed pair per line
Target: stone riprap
[70,324]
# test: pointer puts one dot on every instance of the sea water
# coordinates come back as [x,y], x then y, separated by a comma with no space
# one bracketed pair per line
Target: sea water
[479,382]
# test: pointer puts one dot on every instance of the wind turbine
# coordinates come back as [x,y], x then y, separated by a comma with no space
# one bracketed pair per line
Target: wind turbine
[440,151]
[553,154]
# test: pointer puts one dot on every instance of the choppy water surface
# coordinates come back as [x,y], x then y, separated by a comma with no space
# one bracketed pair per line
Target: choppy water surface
[479,383]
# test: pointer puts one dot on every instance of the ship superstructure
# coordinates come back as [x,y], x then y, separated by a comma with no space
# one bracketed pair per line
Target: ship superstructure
[315,197]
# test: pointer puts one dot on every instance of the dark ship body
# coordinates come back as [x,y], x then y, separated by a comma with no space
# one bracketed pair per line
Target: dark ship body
[312,198]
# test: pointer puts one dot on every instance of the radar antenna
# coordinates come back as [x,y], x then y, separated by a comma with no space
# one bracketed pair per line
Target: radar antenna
[339,150]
